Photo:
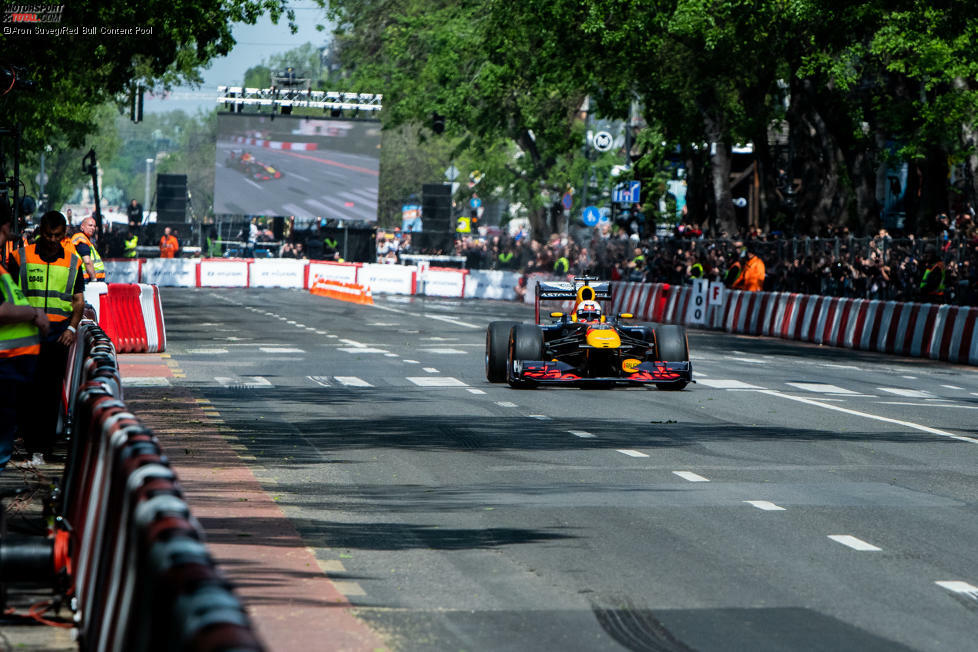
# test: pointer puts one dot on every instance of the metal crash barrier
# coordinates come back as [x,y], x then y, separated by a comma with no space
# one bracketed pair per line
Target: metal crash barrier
[126,553]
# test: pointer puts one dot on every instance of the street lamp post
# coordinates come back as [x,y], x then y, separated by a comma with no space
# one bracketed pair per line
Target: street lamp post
[149,164]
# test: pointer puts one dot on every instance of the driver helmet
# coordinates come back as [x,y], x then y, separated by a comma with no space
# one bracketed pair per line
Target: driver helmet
[246,156]
[588,311]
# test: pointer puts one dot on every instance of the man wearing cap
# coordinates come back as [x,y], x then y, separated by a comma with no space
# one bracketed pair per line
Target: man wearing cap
[751,279]
[91,261]
[52,279]
[21,328]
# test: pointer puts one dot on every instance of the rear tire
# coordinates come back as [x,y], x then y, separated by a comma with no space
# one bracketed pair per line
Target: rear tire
[497,350]
[671,346]
[525,343]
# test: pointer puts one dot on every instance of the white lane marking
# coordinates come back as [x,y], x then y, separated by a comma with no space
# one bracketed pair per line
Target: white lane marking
[430,370]
[362,350]
[937,405]
[906,393]
[389,309]
[728,384]
[957,586]
[298,176]
[245,382]
[444,351]
[630,452]
[351,381]
[320,380]
[822,388]
[451,321]
[853,542]
[473,390]
[506,404]
[909,377]
[322,333]
[952,387]
[583,434]
[539,417]
[383,323]
[145,381]
[411,362]
[391,355]
[436,381]
[279,349]
[839,408]
[291,323]
[441,339]
[253,183]
[750,360]
[207,351]
[689,475]
[766,505]
[359,345]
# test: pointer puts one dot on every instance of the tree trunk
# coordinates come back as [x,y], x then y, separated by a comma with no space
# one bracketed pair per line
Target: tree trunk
[720,163]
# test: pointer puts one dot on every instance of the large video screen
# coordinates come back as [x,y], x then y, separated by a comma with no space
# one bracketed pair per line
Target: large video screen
[297,166]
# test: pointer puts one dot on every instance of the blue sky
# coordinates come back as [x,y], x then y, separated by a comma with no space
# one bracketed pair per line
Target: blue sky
[254,44]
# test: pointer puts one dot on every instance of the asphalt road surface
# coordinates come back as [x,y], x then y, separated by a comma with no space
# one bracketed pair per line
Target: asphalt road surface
[795,498]
[319,183]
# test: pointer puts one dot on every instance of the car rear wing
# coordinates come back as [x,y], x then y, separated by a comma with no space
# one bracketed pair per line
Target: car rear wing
[568,290]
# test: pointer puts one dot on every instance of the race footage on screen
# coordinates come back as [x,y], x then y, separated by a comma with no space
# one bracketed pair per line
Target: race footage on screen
[293,166]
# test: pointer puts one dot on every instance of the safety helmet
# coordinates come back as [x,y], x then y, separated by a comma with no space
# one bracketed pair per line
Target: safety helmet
[588,311]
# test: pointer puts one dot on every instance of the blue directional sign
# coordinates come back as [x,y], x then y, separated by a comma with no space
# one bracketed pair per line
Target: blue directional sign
[629,192]
[567,200]
[591,215]
[475,202]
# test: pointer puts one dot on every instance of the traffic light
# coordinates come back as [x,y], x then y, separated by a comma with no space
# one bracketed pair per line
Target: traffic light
[437,122]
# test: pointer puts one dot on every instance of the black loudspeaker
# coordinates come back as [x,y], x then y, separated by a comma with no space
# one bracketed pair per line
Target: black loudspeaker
[171,198]
[440,243]
[436,207]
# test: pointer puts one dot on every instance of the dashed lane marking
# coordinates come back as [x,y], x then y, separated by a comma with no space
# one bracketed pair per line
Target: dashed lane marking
[391,355]
[952,387]
[445,351]
[717,383]
[245,382]
[362,350]
[411,362]
[906,393]
[631,453]
[822,388]
[937,405]
[452,321]
[473,390]
[279,349]
[506,404]
[145,381]
[539,417]
[765,505]
[959,587]
[430,370]
[583,434]
[690,476]
[359,345]
[854,543]
[207,351]
[351,381]
[322,381]
[436,381]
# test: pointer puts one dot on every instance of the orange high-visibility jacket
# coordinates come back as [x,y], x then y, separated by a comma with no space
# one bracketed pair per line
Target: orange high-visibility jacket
[752,278]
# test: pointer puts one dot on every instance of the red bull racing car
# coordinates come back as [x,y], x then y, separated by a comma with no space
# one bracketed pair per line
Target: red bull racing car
[586,347]
[246,163]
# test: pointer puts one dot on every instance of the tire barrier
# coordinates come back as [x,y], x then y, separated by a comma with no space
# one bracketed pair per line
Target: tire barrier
[131,314]
[141,578]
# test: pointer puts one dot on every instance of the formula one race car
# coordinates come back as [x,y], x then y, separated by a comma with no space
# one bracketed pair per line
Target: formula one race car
[245,162]
[586,347]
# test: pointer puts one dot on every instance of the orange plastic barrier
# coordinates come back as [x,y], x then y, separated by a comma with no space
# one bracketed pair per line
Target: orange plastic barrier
[350,292]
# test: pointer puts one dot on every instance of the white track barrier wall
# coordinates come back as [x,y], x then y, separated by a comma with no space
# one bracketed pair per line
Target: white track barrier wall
[939,332]
[223,273]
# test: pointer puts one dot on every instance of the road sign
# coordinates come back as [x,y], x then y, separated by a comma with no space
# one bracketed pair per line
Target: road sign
[567,200]
[591,215]
[451,173]
[696,310]
[629,192]
[603,141]
[475,202]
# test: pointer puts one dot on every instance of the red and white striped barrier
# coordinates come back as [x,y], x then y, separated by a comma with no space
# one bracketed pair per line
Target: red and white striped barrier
[130,314]
[276,144]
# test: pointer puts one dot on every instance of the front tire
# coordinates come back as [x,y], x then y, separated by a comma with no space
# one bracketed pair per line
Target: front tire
[671,345]
[497,350]
[525,343]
